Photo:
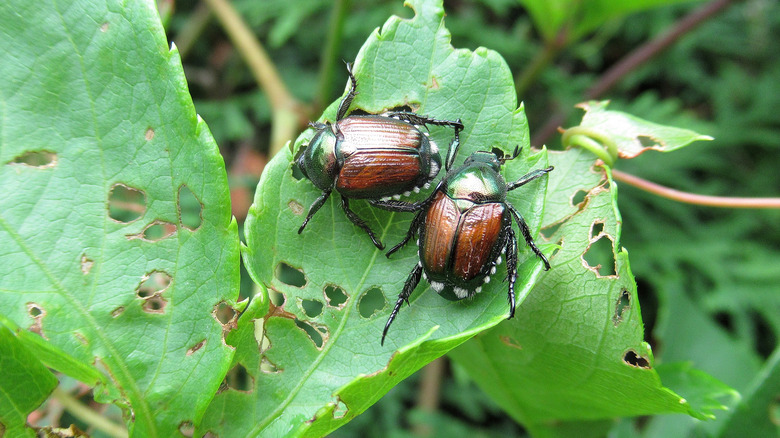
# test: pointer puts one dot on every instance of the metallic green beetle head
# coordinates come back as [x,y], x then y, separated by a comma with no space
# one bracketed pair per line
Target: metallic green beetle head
[317,161]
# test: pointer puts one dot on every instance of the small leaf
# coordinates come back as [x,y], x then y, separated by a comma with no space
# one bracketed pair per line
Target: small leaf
[632,135]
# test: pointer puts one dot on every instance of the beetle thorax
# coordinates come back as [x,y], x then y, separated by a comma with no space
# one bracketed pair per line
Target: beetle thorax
[477,184]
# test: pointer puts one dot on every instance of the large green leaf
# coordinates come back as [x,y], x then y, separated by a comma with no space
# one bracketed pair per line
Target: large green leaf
[575,351]
[116,240]
[24,384]
[322,367]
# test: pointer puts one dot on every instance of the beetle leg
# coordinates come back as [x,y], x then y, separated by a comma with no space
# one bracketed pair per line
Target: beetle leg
[347,101]
[530,176]
[452,149]
[393,205]
[415,225]
[359,222]
[315,206]
[511,267]
[417,119]
[411,283]
[527,236]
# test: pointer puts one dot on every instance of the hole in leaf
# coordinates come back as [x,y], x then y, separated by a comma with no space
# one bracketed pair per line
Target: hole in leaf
[296,172]
[226,315]
[578,200]
[648,142]
[118,311]
[596,229]
[186,428]
[155,304]
[156,231]
[39,159]
[548,232]
[340,410]
[371,302]
[34,310]
[239,379]
[263,343]
[149,134]
[335,296]
[37,313]
[295,207]
[196,347]
[268,367]
[636,360]
[86,264]
[104,27]
[289,275]
[153,283]
[277,298]
[151,289]
[622,306]
[190,209]
[312,308]
[126,204]
[599,257]
[315,335]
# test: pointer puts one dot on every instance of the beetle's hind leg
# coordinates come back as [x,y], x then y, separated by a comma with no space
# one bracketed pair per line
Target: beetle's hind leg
[417,119]
[315,206]
[511,268]
[360,222]
[527,236]
[411,283]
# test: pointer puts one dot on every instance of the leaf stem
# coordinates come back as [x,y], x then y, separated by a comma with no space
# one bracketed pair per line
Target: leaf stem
[592,140]
[288,112]
[541,60]
[430,392]
[636,58]
[332,48]
[692,198]
[87,415]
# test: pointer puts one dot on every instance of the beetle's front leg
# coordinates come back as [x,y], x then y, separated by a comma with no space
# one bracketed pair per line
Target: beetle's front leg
[530,176]
[411,282]
[347,101]
[397,206]
[315,206]
[527,236]
[359,222]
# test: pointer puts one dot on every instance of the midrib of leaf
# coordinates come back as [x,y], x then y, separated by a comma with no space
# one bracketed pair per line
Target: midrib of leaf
[87,317]
[328,345]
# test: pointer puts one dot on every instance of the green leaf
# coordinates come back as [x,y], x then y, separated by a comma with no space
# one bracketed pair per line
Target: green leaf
[630,134]
[703,392]
[321,369]
[575,349]
[99,254]
[24,385]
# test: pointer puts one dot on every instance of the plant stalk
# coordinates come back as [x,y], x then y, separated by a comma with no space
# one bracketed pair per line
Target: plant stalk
[87,415]
[692,198]
[332,48]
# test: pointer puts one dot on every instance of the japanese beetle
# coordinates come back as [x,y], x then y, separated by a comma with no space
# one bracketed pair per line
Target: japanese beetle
[464,227]
[371,157]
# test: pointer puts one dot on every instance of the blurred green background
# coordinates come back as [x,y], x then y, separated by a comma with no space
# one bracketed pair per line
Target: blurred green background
[709,278]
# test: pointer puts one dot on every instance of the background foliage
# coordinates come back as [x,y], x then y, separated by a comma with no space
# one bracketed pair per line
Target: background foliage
[706,278]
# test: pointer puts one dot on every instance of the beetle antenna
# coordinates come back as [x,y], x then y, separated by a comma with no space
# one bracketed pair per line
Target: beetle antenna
[515,154]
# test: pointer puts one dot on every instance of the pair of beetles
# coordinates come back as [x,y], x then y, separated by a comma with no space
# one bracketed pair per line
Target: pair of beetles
[464,226]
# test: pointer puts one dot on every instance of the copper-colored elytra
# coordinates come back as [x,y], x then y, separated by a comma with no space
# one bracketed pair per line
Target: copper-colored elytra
[363,169]
[367,132]
[479,230]
[441,225]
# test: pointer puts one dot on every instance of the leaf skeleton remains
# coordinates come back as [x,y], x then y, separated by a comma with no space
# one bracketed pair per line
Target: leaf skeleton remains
[464,228]
[373,157]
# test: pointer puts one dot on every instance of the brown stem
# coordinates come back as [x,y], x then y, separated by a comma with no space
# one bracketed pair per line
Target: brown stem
[630,62]
[692,198]
[430,392]
[287,110]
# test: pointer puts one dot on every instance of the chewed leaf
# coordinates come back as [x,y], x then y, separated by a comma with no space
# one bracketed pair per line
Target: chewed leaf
[633,135]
